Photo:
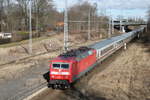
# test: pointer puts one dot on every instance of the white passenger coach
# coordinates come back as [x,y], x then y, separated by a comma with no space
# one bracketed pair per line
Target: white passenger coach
[108,46]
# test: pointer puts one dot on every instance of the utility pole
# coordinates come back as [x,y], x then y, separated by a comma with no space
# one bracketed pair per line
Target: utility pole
[112,26]
[109,30]
[121,20]
[30,28]
[95,17]
[66,38]
[37,18]
[120,24]
[89,25]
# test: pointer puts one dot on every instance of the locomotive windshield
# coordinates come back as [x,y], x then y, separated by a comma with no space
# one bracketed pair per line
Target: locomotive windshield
[61,66]
[56,65]
[65,66]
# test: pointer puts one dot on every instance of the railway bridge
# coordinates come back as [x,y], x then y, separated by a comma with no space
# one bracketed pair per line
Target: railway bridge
[123,25]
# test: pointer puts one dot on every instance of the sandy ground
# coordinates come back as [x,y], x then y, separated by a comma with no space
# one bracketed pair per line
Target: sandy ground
[123,76]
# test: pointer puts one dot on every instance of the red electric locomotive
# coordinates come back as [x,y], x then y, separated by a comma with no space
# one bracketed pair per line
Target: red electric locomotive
[70,66]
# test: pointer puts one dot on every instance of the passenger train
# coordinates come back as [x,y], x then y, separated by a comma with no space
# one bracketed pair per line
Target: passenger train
[70,66]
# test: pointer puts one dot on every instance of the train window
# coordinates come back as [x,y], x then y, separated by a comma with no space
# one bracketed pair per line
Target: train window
[107,49]
[65,66]
[56,65]
[120,42]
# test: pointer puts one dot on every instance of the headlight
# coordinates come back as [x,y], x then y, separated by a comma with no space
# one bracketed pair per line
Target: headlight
[54,73]
[64,73]
[60,73]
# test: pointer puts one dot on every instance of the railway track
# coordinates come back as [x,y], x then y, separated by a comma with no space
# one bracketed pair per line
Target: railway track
[23,94]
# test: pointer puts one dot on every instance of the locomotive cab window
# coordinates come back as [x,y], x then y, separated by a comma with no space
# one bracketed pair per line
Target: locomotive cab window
[56,66]
[65,66]
[61,66]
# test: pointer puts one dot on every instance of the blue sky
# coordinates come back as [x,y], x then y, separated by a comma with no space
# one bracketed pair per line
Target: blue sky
[127,8]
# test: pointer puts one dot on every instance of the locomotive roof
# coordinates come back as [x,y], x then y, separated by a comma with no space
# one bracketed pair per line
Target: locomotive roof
[75,52]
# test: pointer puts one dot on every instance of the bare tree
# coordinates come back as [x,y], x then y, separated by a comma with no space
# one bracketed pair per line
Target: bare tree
[1,13]
[79,15]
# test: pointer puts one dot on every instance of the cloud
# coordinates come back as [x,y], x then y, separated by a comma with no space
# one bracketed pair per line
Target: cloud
[137,7]
[113,4]
[60,4]
[123,4]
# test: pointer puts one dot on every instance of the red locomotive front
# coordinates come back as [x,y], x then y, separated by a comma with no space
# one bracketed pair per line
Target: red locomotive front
[61,72]
[70,66]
